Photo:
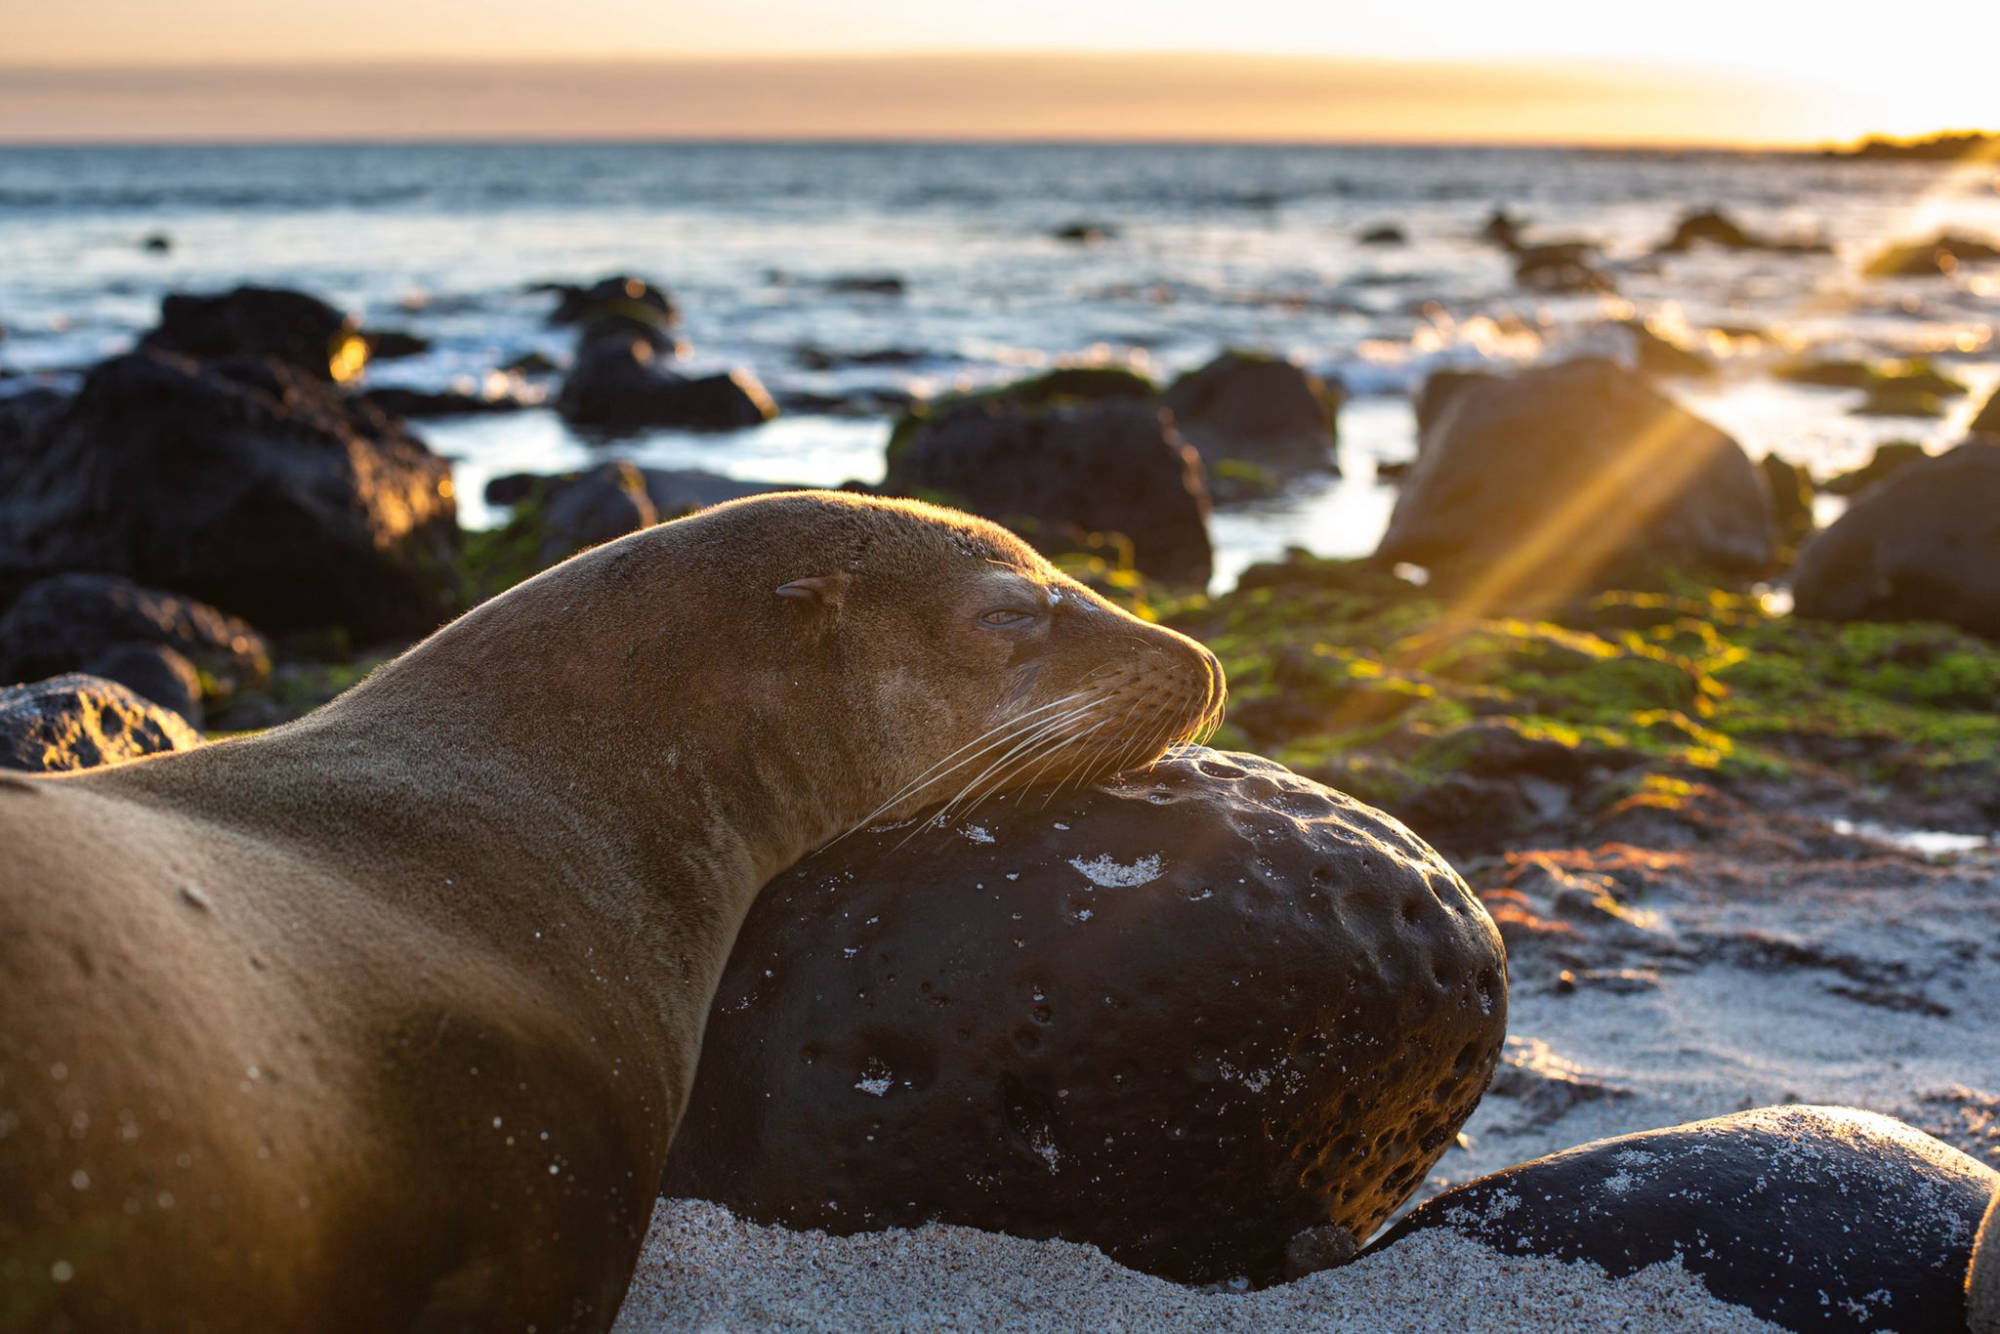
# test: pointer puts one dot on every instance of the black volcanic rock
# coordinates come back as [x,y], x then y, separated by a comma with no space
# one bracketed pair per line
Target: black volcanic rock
[71,621]
[249,484]
[1184,1019]
[1813,1218]
[1258,409]
[79,722]
[1058,475]
[1571,470]
[293,327]
[619,384]
[1924,544]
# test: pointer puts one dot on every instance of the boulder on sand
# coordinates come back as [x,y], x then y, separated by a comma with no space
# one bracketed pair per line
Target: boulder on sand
[248,484]
[293,327]
[1545,481]
[1808,1217]
[1184,1018]
[1258,409]
[79,722]
[1060,474]
[1923,545]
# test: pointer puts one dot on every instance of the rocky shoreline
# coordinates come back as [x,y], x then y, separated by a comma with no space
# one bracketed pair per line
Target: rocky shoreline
[1696,815]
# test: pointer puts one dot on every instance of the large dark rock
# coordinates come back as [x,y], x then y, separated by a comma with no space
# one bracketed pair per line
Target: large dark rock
[80,722]
[156,673]
[1814,1218]
[293,327]
[1437,391]
[619,384]
[1570,470]
[248,484]
[69,622]
[1184,1019]
[1922,545]
[22,419]
[1258,409]
[1060,474]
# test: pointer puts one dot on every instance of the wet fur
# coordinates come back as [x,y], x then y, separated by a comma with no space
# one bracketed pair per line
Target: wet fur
[384,1019]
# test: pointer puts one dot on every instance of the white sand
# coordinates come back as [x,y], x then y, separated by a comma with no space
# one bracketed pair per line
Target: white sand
[1734,984]
[705,1270]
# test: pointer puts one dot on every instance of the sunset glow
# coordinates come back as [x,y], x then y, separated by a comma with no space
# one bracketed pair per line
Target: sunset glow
[1263,69]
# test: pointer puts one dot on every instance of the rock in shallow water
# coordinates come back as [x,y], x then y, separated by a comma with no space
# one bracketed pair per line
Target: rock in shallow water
[1057,475]
[1183,1019]
[79,722]
[1565,473]
[1812,1217]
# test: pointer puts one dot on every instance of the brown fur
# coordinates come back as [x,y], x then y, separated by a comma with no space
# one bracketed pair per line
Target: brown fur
[384,1019]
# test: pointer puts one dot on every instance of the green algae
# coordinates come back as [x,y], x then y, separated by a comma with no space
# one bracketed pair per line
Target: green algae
[1344,671]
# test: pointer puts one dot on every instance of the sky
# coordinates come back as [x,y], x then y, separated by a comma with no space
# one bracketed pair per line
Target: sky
[1698,72]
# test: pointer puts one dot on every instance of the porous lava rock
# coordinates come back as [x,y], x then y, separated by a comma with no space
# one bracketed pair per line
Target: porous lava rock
[249,484]
[79,722]
[71,621]
[1569,471]
[1057,475]
[1820,1218]
[293,327]
[1258,409]
[1182,1018]
[1921,545]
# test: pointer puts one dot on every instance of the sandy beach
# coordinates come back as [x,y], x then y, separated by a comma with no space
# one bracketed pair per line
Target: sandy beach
[1860,977]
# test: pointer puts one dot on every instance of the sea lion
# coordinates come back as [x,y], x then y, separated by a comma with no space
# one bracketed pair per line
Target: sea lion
[384,1019]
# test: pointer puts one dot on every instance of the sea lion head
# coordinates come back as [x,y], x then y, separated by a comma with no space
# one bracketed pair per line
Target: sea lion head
[945,659]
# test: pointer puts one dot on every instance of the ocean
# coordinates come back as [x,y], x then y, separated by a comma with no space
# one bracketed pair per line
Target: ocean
[1206,247]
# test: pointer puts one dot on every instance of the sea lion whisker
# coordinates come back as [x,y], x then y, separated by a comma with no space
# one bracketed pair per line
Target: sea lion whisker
[997,735]
[1053,726]
[1051,747]
[949,810]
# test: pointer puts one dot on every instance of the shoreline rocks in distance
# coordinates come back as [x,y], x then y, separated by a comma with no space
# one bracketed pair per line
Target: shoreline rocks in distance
[620,380]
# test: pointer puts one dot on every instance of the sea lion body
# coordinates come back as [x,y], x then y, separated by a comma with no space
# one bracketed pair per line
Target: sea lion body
[385,1019]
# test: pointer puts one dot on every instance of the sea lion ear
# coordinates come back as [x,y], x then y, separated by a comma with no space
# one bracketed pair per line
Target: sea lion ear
[825,589]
